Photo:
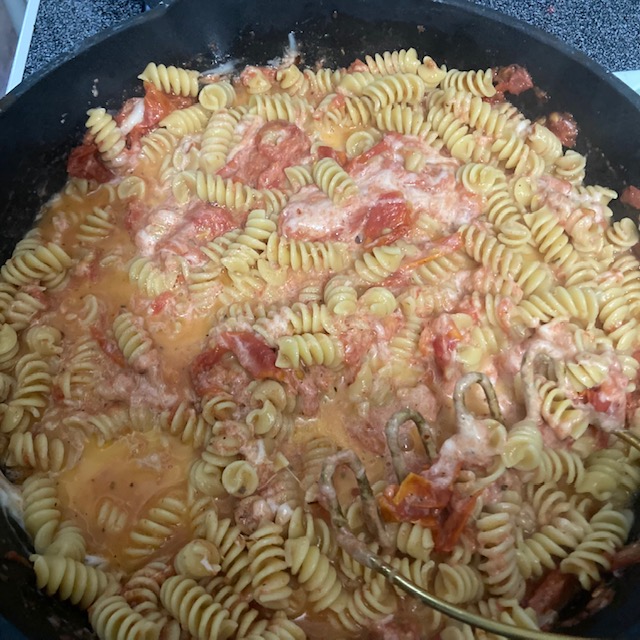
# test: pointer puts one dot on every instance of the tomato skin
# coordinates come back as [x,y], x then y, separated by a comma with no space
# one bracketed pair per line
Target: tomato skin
[276,145]
[255,355]
[109,347]
[328,152]
[513,79]
[444,347]
[160,302]
[157,105]
[85,162]
[554,592]
[387,220]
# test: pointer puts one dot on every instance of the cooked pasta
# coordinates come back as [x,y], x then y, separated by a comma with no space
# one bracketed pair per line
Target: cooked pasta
[269,267]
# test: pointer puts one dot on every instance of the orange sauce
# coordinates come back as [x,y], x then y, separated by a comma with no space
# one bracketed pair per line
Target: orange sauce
[134,472]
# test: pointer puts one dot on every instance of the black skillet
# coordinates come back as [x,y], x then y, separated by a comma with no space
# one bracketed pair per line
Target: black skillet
[43,118]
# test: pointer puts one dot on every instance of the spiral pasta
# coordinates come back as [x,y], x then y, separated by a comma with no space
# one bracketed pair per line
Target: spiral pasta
[334,180]
[69,579]
[106,133]
[181,82]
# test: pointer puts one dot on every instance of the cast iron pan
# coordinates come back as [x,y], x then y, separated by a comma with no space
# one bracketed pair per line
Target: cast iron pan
[44,117]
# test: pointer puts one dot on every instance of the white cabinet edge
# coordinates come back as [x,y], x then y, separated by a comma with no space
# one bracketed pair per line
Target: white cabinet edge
[632,78]
[24,42]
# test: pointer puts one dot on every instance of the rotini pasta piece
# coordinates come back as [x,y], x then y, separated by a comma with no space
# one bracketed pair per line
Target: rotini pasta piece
[609,530]
[240,479]
[352,111]
[248,619]
[490,252]
[578,304]
[31,393]
[271,391]
[513,153]
[9,347]
[217,96]
[308,349]
[441,268]
[151,532]
[185,423]
[523,449]
[567,420]
[480,178]
[217,139]
[243,253]
[559,464]
[70,580]
[365,606]
[431,73]
[479,83]
[402,119]
[453,132]
[352,84]
[587,372]
[379,264]
[507,611]
[379,301]
[151,279]
[458,583]
[316,451]
[331,178]
[196,610]
[157,144]
[405,88]
[68,542]
[361,141]
[570,167]
[188,121]
[313,318]
[340,296]
[389,62]
[304,256]
[405,372]
[96,226]
[514,234]
[496,541]
[488,119]
[298,176]
[111,518]
[113,619]
[414,540]
[40,452]
[107,135]
[279,107]
[40,510]
[131,187]
[133,340]
[181,82]
[197,559]
[315,573]
[233,195]
[206,478]
[47,263]
[545,143]
[268,567]
[217,406]
[608,472]
[232,547]
[500,208]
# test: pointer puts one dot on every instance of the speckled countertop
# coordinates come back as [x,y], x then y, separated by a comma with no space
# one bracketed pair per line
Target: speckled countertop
[606,30]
